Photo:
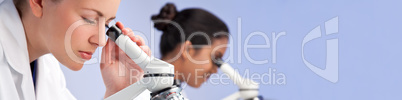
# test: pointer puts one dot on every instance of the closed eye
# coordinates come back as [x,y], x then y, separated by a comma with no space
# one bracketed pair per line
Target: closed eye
[89,20]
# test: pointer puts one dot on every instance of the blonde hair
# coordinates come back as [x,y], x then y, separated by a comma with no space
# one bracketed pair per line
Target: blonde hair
[21,5]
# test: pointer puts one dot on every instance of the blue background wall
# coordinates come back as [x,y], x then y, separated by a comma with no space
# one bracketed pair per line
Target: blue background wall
[369,35]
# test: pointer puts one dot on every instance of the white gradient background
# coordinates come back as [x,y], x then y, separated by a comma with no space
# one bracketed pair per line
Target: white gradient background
[369,36]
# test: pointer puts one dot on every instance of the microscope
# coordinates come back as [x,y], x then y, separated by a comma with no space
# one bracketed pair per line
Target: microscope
[248,89]
[158,75]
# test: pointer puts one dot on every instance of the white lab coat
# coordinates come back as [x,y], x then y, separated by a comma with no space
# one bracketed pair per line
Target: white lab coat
[15,73]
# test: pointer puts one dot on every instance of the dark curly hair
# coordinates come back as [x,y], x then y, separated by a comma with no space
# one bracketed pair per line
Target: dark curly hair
[191,21]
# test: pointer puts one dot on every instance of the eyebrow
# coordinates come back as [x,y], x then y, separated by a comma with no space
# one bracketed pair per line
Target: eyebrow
[101,14]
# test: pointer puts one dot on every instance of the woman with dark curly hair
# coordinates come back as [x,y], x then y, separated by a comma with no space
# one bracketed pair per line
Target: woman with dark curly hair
[192,40]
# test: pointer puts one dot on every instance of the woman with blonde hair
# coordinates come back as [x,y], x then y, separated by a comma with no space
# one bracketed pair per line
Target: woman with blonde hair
[35,35]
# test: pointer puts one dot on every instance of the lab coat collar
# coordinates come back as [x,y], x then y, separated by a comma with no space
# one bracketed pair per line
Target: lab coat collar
[15,46]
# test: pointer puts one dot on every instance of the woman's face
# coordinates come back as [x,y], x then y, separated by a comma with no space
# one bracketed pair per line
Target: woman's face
[199,65]
[73,29]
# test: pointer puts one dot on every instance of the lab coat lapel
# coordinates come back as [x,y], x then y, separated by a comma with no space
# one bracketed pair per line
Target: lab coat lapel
[15,48]
[45,81]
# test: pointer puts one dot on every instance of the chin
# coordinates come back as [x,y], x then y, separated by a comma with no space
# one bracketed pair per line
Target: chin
[74,66]
[70,60]
[195,85]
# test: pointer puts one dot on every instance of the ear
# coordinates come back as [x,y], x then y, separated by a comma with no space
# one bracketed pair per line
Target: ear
[187,49]
[36,7]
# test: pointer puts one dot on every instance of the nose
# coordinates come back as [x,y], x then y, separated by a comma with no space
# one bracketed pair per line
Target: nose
[214,69]
[99,38]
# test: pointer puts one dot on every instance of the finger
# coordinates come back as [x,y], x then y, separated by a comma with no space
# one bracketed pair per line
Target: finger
[106,52]
[127,31]
[132,37]
[146,49]
[140,40]
[112,51]
[120,25]
[106,47]
[120,54]
[130,34]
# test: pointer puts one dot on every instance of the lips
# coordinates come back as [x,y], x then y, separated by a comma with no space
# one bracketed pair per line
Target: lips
[85,55]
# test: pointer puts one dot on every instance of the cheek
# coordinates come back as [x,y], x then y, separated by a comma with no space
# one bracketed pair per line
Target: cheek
[67,51]
[199,72]
[57,29]
[80,37]
[65,44]
[61,38]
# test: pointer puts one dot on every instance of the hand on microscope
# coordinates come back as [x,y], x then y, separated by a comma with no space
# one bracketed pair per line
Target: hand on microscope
[118,70]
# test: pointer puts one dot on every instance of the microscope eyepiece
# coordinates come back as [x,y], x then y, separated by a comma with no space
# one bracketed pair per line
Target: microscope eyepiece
[218,62]
[113,32]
